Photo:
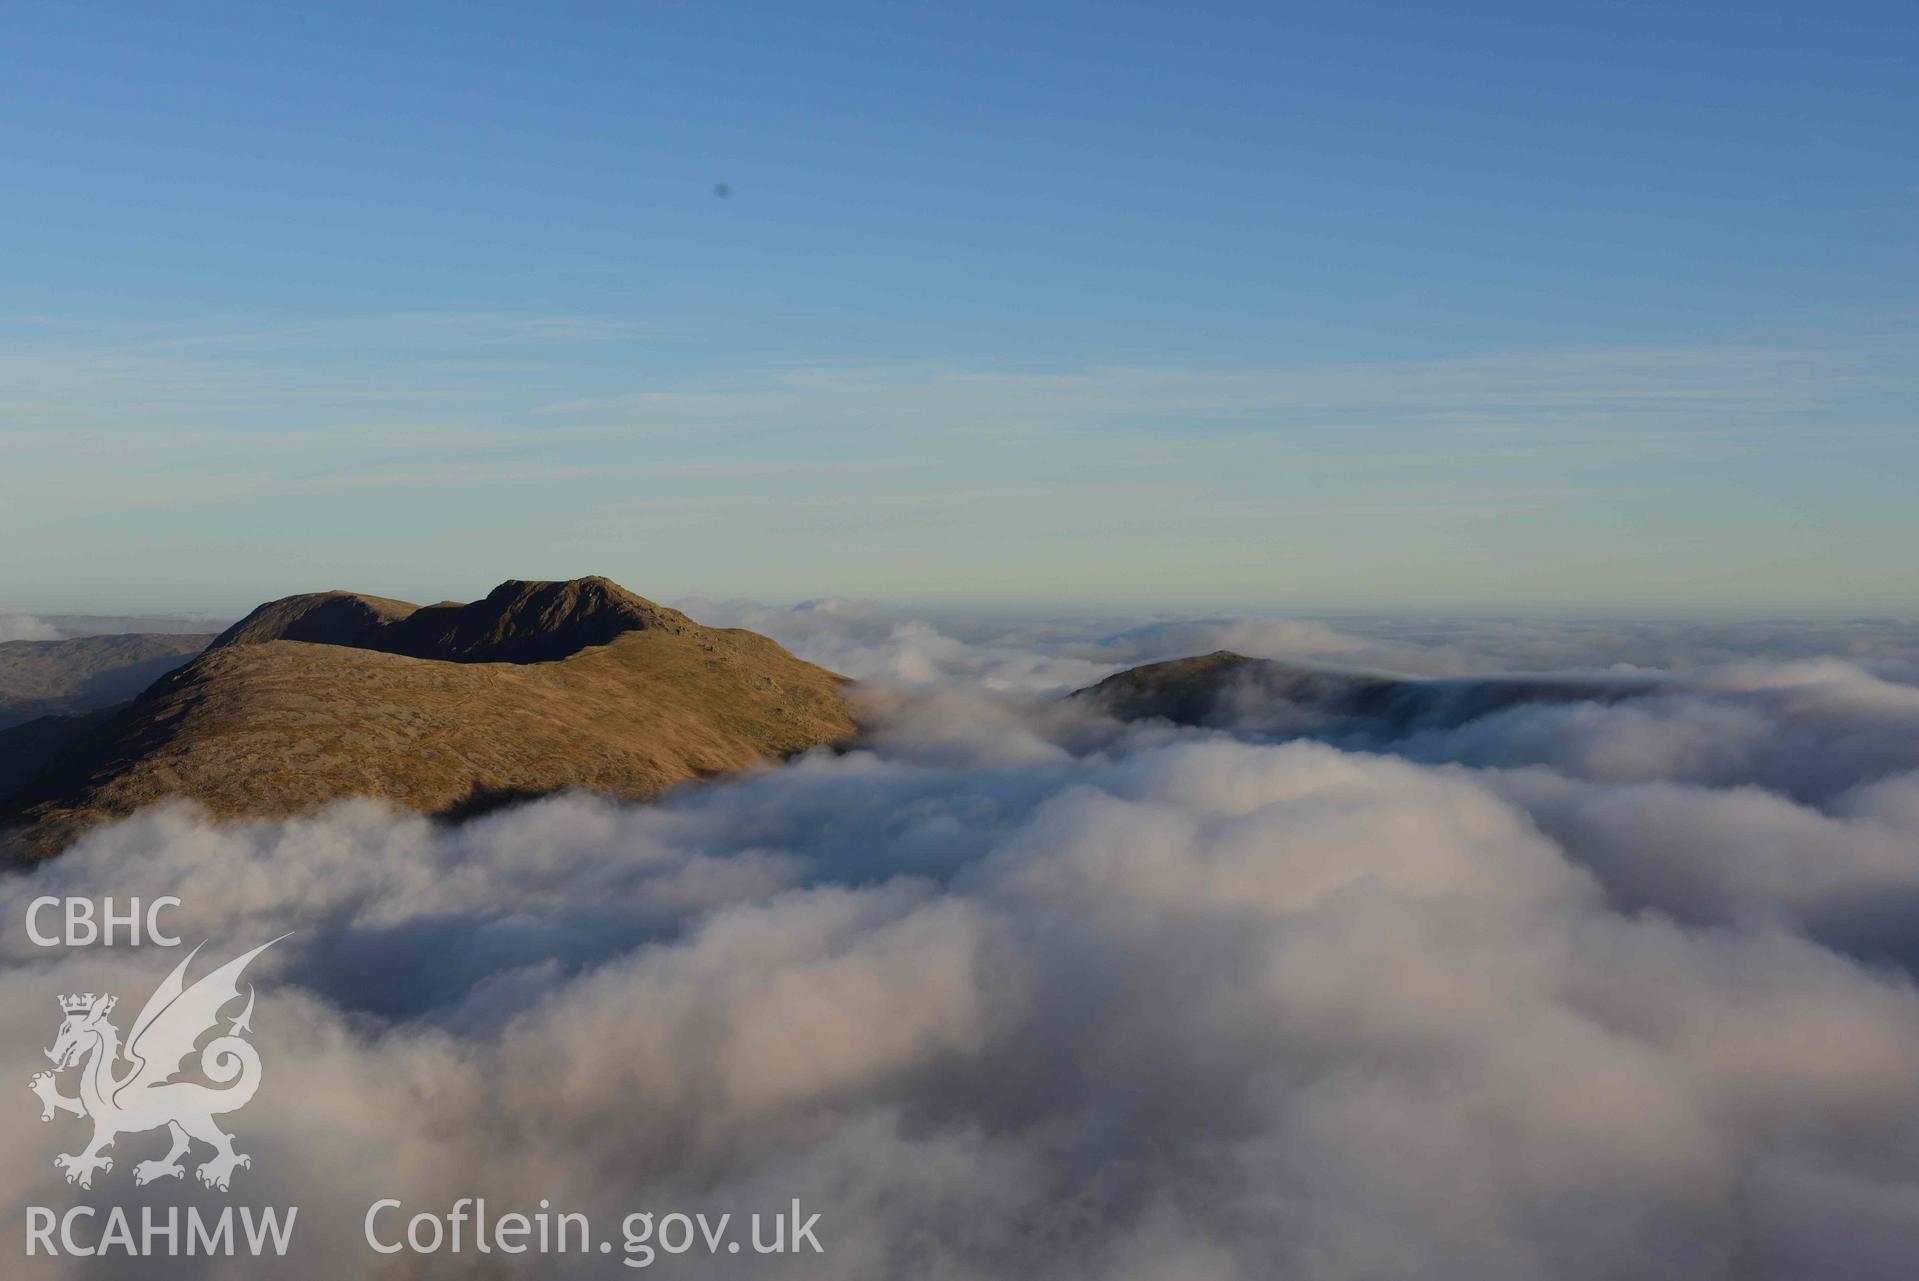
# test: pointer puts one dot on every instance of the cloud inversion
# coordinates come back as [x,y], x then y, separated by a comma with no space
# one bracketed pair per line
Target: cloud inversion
[1570,991]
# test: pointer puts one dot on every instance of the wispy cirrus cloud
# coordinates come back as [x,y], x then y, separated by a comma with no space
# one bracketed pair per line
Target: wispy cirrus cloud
[594,434]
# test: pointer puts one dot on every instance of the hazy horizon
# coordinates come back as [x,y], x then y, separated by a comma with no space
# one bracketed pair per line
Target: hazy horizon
[20,624]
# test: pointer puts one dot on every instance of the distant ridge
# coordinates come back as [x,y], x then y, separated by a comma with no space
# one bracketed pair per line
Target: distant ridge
[1228,690]
[83,673]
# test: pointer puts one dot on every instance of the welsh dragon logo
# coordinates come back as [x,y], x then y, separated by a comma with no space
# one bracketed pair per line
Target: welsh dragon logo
[144,1095]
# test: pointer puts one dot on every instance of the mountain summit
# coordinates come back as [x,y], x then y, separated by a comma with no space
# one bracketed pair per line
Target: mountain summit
[538,687]
[517,622]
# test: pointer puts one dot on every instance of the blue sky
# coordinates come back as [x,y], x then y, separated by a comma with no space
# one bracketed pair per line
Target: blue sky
[1469,308]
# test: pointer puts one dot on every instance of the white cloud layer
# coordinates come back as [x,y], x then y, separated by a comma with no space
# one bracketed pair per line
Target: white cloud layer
[1572,991]
[26,627]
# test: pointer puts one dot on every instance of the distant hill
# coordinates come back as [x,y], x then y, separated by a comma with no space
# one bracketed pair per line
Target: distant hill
[449,708]
[1231,691]
[50,677]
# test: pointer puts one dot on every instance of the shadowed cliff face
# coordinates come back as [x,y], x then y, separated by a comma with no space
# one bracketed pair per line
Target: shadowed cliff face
[450,709]
[517,622]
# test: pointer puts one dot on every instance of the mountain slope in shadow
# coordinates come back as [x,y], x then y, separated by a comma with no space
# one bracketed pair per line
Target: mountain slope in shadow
[1224,690]
[81,674]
